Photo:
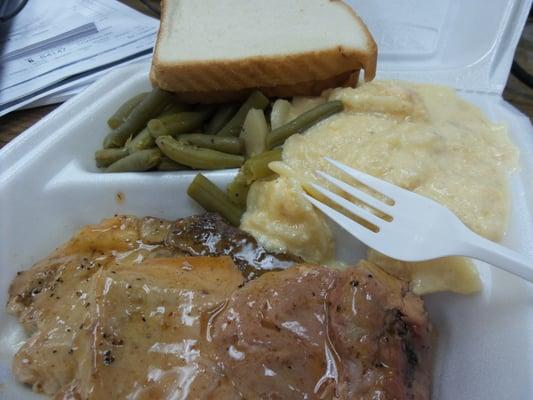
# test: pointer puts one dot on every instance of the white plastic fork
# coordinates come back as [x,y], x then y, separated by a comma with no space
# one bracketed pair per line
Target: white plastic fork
[420,229]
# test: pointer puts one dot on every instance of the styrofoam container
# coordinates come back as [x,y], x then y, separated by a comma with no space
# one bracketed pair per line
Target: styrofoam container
[49,187]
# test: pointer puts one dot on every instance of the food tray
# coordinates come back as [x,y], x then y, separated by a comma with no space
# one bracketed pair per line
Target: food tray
[49,188]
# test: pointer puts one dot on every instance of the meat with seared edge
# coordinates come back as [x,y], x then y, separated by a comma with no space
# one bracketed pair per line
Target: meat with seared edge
[129,307]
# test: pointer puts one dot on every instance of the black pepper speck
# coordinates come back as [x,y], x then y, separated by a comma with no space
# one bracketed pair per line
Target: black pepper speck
[108,357]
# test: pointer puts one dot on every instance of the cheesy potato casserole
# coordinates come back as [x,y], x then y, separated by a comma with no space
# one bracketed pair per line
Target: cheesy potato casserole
[421,137]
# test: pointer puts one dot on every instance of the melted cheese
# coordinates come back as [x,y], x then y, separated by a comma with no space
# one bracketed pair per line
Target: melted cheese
[420,137]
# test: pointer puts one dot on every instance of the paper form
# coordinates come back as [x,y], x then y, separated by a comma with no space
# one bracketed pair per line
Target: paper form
[96,33]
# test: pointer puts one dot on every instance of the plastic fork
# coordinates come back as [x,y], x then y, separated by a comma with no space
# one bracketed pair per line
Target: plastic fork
[418,228]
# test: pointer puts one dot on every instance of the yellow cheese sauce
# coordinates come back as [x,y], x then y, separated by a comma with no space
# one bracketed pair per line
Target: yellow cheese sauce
[421,137]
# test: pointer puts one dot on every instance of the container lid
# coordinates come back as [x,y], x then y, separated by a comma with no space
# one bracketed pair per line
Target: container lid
[468,45]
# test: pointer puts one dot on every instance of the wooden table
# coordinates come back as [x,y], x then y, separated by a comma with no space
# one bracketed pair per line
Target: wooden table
[515,91]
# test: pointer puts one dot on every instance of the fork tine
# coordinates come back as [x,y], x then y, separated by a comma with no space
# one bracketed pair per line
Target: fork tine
[378,185]
[359,194]
[352,227]
[353,208]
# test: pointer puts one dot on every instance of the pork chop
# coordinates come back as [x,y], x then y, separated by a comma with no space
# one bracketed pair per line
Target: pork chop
[316,333]
[51,298]
[143,335]
[133,308]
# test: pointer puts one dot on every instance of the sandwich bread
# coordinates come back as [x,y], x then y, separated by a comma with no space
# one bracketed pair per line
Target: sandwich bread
[219,50]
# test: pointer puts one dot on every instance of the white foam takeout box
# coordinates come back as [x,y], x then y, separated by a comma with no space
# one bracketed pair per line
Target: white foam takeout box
[49,186]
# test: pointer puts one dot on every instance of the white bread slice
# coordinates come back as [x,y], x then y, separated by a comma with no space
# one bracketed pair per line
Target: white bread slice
[225,48]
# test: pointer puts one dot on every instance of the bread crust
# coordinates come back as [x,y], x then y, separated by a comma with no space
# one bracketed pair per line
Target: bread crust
[305,73]
[311,88]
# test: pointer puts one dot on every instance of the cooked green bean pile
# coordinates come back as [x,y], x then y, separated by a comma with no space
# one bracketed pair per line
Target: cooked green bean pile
[152,131]
[197,137]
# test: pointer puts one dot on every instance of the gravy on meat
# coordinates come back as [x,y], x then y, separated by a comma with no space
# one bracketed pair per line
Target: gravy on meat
[145,308]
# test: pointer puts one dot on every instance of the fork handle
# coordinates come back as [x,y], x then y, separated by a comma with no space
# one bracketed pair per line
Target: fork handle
[495,254]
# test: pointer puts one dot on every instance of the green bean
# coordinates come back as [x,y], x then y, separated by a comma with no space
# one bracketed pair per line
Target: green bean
[213,199]
[174,108]
[174,124]
[254,132]
[142,160]
[166,164]
[149,107]
[106,157]
[237,189]
[207,109]
[234,125]
[221,118]
[253,169]
[278,136]
[195,157]
[144,140]
[226,144]
[257,167]
[125,110]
